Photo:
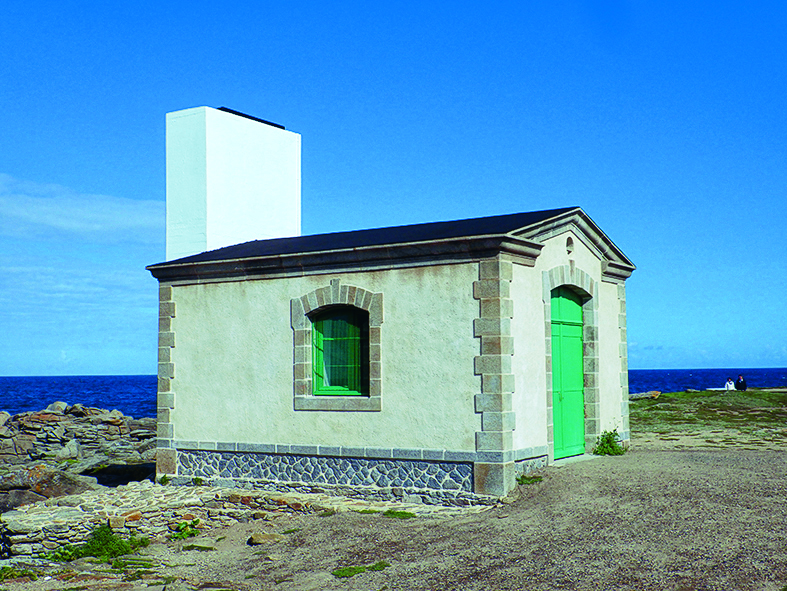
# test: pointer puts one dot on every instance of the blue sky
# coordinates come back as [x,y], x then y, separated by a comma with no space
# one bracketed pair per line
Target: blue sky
[666,123]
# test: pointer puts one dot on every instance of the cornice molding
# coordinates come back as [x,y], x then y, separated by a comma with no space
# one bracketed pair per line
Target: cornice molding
[371,257]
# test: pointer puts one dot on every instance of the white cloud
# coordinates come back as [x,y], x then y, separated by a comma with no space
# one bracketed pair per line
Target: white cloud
[73,280]
[35,210]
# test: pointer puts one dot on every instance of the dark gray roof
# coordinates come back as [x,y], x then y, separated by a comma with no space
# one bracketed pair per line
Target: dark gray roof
[493,225]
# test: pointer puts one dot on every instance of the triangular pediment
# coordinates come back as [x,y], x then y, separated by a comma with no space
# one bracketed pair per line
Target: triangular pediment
[614,262]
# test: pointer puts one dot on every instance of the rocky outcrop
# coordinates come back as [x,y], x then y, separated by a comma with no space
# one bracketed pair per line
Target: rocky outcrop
[64,432]
[68,449]
[640,395]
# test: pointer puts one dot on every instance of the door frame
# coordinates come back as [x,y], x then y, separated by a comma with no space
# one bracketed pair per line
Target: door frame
[584,286]
[568,356]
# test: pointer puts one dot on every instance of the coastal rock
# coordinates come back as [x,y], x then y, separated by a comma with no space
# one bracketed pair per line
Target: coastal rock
[59,407]
[640,395]
[47,481]
[55,483]
[71,450]
[17,498]
[61,449]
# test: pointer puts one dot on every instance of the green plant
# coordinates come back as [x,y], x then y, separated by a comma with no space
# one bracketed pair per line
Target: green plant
[164,480]
[398,514]
[136,575]
[327,513]
[11,572]
[103,544]
[525,479]
[351,571]
[608,444]
[367,511]
[196,481]
[381,565]
[348,571]
[185,529]
[125,563]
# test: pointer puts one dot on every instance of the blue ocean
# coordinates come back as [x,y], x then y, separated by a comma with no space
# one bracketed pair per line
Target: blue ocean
[135,396]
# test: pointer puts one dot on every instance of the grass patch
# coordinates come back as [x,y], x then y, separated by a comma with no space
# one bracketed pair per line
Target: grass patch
[291,531]
[398,514]
[367,511]
[11,572]
[524,479]
[185,529]
[351,571]
[137,575]
[680,413]
[327,513]
[103,544]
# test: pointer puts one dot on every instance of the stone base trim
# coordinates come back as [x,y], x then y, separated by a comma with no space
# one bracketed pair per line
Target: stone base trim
[377,453]
[328,470]
[370,478]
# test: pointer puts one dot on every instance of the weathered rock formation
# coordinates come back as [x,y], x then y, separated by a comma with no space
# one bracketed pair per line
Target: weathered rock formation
[65,450]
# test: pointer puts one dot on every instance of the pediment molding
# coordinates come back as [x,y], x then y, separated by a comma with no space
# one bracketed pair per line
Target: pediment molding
[616,266]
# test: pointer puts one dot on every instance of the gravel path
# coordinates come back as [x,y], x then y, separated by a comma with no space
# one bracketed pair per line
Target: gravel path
[668,515]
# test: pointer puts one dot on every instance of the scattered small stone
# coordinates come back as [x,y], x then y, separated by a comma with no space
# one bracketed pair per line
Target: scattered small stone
[258,538]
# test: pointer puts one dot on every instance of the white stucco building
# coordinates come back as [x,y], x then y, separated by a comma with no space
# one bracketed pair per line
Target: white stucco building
[437,359]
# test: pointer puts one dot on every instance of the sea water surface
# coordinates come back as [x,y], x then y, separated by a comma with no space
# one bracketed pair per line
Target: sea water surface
[136,395]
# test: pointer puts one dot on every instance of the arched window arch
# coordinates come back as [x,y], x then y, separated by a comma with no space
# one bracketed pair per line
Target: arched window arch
[337,349]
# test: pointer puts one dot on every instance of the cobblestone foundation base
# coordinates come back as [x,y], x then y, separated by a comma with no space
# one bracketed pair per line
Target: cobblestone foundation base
[529,465]
[371,479]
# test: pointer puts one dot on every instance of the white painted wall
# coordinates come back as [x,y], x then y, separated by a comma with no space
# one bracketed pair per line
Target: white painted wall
[233,362]
[609,356]
[527,328]
[229,180]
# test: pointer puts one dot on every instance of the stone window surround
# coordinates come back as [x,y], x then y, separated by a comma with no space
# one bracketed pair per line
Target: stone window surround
[585,286]
[334,294]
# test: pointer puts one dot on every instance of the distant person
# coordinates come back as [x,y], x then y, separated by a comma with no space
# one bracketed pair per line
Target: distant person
[740,384]
[730,385]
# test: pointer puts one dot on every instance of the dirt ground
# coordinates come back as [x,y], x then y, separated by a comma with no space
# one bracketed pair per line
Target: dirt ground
[672,514]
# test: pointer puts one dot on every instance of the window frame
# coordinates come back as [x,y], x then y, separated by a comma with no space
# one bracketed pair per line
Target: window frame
[303,310]
[355,349]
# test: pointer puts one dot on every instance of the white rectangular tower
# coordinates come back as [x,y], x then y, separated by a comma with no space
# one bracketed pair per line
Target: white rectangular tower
[231,178]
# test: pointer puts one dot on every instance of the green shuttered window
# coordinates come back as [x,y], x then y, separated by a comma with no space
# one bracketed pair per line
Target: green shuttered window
[340,341]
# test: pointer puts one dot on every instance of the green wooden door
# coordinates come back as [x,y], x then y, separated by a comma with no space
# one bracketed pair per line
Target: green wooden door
[568,400]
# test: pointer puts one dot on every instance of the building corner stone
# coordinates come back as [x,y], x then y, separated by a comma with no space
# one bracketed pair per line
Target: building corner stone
[166,455]
[494,366]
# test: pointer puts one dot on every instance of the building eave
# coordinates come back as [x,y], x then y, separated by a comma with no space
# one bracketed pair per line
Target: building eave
[381,256]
